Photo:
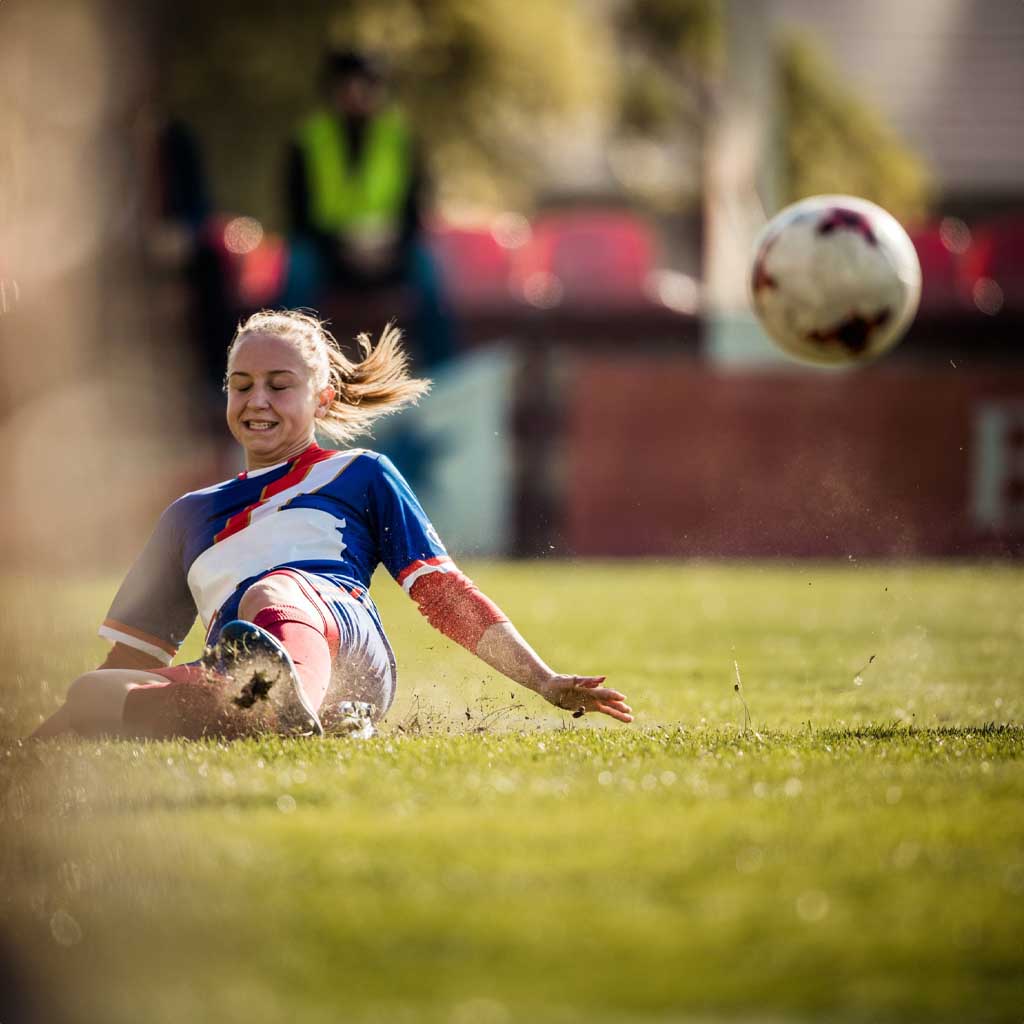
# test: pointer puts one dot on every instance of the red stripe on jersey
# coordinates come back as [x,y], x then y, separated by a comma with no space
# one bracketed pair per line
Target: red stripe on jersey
[419,564]
[297,472]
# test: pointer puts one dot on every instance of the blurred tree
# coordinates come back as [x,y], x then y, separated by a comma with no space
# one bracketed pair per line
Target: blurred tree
[488,84]
[672,52]
[688,33]
[832,141]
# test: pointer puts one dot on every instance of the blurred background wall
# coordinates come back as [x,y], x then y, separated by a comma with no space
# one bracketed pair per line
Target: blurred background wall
[593,173]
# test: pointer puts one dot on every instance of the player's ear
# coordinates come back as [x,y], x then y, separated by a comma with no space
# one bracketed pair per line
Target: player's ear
[326,397]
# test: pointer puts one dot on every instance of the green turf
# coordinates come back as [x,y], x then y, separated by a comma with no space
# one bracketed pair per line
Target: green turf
[856,855]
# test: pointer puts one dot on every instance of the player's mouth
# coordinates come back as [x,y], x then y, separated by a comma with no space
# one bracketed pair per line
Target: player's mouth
[259,426]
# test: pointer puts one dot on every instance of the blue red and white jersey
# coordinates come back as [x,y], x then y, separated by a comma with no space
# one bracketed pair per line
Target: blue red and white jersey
[334,514]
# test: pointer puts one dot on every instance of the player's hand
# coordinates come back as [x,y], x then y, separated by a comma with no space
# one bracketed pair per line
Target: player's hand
[580,694]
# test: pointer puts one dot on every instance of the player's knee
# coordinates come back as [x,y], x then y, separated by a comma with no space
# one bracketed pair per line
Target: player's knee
[83,690]
[87,696]
[95,701]
[267,592]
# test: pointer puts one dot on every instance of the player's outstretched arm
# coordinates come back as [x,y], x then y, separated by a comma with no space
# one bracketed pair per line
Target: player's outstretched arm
[502,647]
[455,607]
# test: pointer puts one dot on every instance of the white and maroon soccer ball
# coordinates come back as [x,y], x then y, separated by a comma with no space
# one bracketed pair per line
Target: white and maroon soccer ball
[835,280]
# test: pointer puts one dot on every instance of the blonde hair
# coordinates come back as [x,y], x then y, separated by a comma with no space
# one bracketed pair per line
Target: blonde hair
[363,391]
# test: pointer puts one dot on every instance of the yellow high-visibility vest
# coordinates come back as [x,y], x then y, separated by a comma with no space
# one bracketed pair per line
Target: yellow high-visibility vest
[372,193]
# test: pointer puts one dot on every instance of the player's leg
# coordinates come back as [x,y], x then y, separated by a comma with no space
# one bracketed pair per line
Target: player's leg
[334,643]
[363,675]
[195,700]
[191,701]
[94,705]
[249,681]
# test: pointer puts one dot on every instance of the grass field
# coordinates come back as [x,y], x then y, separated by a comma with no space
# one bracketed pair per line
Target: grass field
[857,854]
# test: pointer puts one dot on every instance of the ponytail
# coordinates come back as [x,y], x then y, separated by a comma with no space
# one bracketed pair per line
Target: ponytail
[377,386]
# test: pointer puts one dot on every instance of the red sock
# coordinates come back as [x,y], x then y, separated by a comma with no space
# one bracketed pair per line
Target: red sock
[187,706]
[303,634]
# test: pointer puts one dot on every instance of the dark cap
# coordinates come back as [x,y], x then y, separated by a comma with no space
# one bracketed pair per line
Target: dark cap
[339,64]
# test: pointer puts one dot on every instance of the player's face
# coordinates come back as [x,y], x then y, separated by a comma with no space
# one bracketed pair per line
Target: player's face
[272,400]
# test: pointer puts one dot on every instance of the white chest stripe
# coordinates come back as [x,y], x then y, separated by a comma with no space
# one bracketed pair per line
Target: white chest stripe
[293,535]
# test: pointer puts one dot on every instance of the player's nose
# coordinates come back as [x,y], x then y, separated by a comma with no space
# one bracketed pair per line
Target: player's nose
[258,399]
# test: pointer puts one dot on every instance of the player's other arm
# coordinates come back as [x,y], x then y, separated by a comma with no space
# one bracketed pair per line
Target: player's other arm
[153,609]
[456,607]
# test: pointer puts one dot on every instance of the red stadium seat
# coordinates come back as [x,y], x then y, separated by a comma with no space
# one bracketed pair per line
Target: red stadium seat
[263,272]
[474,266]
[594,258]
[253,264]
[995,270]
[212,233]
[942,287]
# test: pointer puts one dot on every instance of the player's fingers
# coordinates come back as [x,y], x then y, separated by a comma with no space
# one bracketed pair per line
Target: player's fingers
[614,712]
[623,709]
[603,693]
[589,681]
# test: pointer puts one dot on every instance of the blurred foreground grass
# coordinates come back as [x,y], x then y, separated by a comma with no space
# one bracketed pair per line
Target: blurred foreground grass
[857,855]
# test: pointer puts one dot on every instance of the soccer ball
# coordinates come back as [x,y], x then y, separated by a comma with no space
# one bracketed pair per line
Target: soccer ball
[835,280]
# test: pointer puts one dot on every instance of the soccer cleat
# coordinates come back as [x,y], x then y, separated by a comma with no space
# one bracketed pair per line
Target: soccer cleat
[352,718]
[256,668]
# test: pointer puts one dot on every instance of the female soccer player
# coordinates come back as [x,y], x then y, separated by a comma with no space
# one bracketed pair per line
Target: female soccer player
[277,562]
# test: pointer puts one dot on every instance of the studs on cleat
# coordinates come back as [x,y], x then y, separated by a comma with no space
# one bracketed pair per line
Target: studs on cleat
[351,718]
[256,669]
[258,688]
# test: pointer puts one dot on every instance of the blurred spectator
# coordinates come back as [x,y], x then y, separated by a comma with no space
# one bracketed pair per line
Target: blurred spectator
[177,233]
[182,194]
[355,193]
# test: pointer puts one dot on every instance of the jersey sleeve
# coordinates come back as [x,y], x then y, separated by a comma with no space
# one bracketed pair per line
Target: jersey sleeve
[153,610]
[408,544]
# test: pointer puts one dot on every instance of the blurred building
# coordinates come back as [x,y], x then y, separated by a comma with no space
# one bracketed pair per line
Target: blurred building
[949,74]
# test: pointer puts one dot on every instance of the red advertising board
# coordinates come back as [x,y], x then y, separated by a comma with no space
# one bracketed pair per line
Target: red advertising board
[667,457]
